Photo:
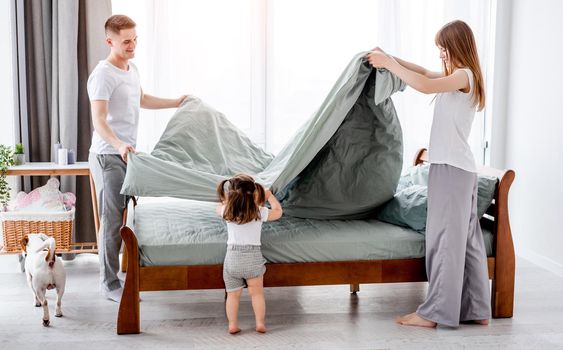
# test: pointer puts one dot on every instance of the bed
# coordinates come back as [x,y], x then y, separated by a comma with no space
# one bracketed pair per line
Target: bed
[163,253]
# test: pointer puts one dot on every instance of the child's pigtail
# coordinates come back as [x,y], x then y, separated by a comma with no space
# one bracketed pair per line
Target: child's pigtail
[221,191]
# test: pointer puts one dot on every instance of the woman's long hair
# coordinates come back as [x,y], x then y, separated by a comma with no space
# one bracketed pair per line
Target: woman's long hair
[458,40]
[242,198]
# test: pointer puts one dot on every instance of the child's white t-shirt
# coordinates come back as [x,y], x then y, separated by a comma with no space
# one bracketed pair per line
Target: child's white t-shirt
[453,117]
[122,89]
[246,234]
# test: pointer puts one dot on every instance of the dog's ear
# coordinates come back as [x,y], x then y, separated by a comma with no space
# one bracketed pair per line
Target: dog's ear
[24,242]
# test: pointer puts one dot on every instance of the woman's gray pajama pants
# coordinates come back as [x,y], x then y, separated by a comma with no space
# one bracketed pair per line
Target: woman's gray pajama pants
[456,261]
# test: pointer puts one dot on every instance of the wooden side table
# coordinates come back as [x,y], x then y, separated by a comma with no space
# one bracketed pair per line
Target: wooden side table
[52,169]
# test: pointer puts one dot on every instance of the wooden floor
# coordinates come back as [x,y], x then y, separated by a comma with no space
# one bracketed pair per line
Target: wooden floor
[326,317]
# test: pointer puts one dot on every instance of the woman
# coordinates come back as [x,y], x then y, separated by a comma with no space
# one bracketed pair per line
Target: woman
[456,262]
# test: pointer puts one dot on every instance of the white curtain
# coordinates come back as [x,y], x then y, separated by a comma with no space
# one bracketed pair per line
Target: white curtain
[205,48]
[268,64]
[309,47]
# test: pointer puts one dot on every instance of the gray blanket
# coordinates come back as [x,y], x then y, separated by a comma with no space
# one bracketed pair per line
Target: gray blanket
[342,163]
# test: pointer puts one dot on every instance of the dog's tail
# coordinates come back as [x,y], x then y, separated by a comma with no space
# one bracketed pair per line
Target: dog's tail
[50,258]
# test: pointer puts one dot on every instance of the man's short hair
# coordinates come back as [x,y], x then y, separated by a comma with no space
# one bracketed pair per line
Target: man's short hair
[118,22]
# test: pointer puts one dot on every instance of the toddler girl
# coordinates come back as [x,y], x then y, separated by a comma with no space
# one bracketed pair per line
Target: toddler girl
[242,206]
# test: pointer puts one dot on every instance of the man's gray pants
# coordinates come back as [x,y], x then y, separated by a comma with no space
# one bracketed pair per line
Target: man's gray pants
[108,171]
[456,260]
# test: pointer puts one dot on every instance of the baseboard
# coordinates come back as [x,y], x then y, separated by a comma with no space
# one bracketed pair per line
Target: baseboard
[541,261]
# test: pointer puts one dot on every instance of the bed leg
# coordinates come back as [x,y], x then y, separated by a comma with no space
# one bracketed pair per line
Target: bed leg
[128,318]
[354,288]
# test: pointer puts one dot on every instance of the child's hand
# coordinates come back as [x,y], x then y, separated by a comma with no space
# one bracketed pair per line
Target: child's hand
[267,193]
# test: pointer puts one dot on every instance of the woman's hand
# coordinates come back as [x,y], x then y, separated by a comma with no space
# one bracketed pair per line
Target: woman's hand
[379,59]
[375,49]
[378,49]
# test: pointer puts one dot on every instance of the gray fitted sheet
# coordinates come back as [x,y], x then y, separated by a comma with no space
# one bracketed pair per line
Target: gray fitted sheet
[185,232]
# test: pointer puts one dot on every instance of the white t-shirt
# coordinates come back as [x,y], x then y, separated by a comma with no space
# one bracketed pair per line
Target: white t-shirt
[453,117]
[122,89]
[246,234]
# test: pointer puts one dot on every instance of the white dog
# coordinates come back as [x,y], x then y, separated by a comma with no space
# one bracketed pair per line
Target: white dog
[44,271]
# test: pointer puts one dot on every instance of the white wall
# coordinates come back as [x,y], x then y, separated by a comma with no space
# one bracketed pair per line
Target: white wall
[534,130]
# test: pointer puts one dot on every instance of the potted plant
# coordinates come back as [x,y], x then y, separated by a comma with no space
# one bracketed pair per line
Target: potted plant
[19,156]
[6,160]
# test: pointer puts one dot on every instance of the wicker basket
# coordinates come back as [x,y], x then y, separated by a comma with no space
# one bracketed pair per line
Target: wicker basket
[17,224]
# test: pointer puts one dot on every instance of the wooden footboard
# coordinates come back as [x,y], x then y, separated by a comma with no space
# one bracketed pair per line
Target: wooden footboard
[157,278]
[129,318]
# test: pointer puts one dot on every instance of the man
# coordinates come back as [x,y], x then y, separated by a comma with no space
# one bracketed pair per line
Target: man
[116,98]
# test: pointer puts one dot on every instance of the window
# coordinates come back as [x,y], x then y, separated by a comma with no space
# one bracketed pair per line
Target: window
[267,65]
[189,47]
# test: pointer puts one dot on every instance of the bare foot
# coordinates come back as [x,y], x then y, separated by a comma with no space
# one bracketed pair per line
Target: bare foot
[234,329]
[484,322]
[403,318]
[414,320]
[261,328]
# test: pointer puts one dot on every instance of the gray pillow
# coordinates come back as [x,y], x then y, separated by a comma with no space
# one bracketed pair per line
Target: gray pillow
[486,186]
[407,208]
[415,175]
[409,205]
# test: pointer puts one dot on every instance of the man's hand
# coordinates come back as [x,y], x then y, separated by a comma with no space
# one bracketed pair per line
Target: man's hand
[180,100]
[124,149]
[153,102]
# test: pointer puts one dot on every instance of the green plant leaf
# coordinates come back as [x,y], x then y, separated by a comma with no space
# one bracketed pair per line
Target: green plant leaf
[6,160]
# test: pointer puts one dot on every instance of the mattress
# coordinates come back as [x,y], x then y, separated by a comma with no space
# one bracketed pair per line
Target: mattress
[185,232]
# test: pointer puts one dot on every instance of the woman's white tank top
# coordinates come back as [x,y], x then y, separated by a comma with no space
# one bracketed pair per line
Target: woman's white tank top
[453,117]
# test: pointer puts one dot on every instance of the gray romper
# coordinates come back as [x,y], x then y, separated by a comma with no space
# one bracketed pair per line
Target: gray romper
[244,258]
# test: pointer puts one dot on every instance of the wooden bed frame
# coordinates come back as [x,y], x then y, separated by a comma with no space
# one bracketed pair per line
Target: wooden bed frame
[160,278]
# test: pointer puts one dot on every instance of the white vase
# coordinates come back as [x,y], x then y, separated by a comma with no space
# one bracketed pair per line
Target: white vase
[19,159]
